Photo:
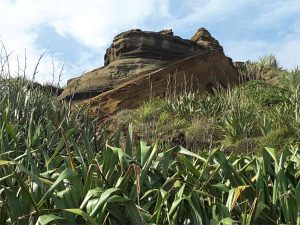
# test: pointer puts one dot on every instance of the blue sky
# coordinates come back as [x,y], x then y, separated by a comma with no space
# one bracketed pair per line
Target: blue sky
[77,32]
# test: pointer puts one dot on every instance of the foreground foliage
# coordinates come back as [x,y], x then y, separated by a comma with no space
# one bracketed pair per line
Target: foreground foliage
[54,169]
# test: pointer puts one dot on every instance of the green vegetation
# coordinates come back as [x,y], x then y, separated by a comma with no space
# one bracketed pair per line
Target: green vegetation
[243,119]
[62,167]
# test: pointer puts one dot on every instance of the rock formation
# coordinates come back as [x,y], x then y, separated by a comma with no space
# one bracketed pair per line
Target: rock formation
[140,64]
[197,73]
[203,38]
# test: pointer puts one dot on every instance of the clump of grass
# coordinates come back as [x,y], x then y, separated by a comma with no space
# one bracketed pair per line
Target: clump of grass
[279,139]
[266,68]
[267,94]
[202,134]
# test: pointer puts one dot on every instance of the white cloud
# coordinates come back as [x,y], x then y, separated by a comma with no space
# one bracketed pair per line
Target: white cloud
[209,12]
[286,50]
[288,53]
[94,22]
[247,50]
[275,13]
[91,23]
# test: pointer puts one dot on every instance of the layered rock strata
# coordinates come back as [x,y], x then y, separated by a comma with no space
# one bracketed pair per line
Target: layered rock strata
[139,65]
[135,53]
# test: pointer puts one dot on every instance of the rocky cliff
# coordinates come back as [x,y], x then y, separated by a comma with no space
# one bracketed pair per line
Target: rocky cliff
[139,64]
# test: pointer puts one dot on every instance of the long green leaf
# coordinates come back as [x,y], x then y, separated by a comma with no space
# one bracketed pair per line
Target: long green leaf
[66,174]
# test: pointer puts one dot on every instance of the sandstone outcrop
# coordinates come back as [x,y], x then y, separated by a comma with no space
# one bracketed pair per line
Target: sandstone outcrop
[204,38]
[196,73]
[141,64]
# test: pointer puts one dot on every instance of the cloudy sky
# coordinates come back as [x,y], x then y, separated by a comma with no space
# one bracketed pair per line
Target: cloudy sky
[77,32]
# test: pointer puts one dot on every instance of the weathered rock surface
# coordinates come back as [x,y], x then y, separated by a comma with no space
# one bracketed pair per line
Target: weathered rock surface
[140,64]
[134,53]
[196,73]
[204,38]
[161,46]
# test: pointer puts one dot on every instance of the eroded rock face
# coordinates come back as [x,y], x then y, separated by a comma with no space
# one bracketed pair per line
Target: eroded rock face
[136,53]
[198,73]
[204,38]
[151,45]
